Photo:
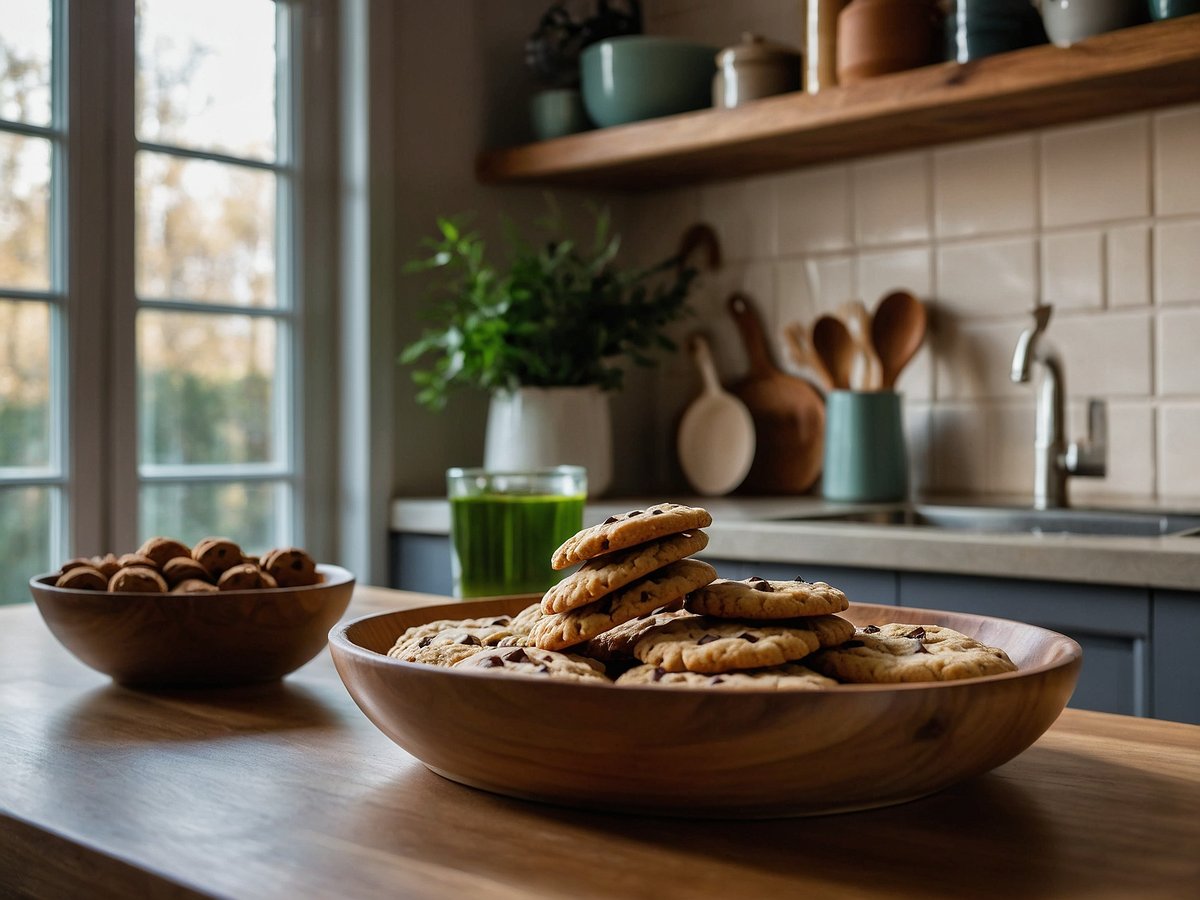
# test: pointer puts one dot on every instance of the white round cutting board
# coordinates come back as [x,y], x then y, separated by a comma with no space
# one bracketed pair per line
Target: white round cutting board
[716,435]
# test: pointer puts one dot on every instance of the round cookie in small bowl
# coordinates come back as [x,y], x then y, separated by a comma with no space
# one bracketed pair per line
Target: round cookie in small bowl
[184,628]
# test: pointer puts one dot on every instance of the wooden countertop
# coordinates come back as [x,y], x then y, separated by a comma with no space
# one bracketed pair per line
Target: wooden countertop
[287,790]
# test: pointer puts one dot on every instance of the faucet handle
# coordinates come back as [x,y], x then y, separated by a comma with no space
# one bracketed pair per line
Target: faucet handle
[1090,459]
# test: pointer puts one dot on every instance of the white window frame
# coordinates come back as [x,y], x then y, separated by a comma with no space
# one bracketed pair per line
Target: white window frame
[102,474]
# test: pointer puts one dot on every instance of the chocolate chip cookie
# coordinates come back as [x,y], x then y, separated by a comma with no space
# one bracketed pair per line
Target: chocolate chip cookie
[887,654]
[758,598]
[535,662]
[604,574]
[627,529]
[645,595]
[617,643]
[466,633]
[788,677]
[713,645]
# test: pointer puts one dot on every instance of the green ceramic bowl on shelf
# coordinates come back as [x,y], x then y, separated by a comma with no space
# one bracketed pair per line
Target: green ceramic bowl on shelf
[637,77]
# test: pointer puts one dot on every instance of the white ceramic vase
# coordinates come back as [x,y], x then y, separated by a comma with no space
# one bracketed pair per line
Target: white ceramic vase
[535,428]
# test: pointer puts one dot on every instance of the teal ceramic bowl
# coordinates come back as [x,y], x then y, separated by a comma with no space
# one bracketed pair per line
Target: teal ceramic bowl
[637,77]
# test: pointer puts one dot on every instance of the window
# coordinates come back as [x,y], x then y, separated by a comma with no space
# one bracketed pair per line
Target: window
[153,268]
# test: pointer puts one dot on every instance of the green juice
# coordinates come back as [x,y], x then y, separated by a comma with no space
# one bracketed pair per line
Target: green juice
[502,543]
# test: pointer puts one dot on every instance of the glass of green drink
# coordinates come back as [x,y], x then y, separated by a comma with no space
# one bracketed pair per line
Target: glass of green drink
[504,527]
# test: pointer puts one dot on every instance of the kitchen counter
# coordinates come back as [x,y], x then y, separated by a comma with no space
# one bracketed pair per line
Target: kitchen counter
[776,530]
[286,790]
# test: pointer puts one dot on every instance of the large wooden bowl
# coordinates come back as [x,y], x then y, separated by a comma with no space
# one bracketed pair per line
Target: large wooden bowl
[195,640]
[680,751]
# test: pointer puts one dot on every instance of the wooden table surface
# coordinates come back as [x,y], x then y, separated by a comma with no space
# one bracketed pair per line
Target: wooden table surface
[287,790]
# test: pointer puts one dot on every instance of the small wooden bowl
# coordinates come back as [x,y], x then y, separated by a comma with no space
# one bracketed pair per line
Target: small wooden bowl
[195,640]
[685,752]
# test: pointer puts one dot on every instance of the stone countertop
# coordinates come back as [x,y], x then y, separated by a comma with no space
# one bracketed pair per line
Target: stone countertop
[790,530]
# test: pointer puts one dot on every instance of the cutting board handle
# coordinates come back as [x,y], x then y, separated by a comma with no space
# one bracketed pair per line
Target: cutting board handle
[702,356]
[753,336]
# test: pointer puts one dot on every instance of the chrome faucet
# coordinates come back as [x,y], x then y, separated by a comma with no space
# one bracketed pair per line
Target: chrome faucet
[1055,460]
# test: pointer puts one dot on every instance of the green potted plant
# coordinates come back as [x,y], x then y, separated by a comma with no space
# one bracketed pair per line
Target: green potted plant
[548,332]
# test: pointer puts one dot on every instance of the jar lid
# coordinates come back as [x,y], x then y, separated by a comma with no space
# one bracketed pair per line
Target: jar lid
[756,48]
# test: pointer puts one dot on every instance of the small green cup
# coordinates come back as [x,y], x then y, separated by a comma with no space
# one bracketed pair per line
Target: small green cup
[505,526]
[865,455]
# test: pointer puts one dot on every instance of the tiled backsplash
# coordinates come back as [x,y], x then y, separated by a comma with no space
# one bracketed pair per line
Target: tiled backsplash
[1102,220]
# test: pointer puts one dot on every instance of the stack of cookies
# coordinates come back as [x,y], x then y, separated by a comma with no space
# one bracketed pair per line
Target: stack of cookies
[752,633]
[640,611]
[631,566]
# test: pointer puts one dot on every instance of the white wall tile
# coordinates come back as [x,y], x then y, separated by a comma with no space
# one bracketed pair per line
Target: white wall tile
[1096,172]
[987,278]
[959,435]
[1177,161]
[986,187]
[891,200]
[918,437]
[1010,428]
[814,210]
[1177,261]
[1179,436]
[1179,352]
[880,273]
[811,286]
[1130,464]
[1073,270]
[744,215]
[1104,355]
[1128,265]
[974,358]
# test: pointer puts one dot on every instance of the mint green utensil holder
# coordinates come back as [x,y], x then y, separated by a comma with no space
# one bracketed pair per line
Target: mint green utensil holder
[865,455]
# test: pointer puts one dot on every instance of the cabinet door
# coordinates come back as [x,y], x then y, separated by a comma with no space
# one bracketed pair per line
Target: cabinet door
[1176,656]
[421,562]
[1111,624]
[861,585]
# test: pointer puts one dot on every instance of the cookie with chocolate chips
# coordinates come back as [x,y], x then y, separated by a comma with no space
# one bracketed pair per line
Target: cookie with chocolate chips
[643,596]
[535,662]
[627,529]
[713,645]
[788,677]
[421,643]
[617,643]
[758,598]
[604,574]
[886,654]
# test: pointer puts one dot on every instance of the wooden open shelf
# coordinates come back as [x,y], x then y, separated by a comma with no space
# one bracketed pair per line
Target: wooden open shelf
[1122,71]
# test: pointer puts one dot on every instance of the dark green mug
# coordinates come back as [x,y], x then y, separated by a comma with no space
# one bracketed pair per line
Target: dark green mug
[1170,9]
[865,455]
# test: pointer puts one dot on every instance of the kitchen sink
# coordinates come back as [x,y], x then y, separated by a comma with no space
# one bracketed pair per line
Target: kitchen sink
[1015,520]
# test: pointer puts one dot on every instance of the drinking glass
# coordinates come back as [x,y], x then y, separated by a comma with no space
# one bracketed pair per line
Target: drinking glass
[504,527]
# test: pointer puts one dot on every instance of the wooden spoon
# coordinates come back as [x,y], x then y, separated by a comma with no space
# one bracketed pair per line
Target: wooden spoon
[835,347]
[858,321]
[716,435]
[897,330]
[803,354]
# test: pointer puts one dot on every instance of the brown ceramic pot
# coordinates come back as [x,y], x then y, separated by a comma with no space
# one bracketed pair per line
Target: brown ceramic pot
[880,36]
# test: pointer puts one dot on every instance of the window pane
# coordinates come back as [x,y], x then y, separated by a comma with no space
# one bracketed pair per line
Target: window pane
[24,212]
[25,539]
[208,388]
[252,514]
[205,231]
[24,384]
[206,75]
[25,61]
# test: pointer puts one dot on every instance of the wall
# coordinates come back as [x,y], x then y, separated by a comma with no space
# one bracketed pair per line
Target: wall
[461,85]
[1102,220]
